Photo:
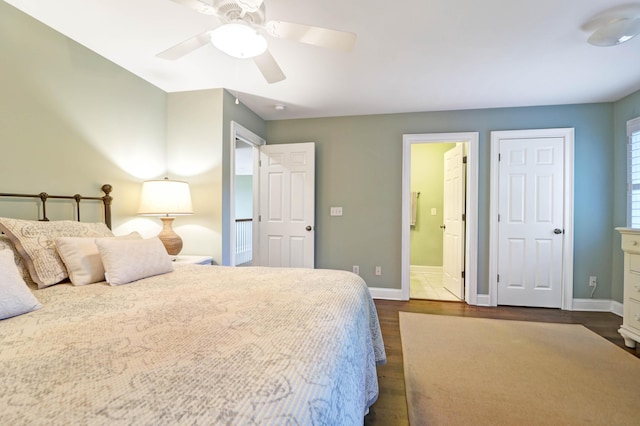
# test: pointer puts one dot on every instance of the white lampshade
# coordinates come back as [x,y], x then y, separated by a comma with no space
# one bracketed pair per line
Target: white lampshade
[239,40]
[165,197]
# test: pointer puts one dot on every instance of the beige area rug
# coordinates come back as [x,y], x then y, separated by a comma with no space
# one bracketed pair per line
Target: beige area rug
[475,371]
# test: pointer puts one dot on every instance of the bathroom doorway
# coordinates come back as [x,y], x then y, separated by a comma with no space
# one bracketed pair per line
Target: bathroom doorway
[439,234]
[437,225]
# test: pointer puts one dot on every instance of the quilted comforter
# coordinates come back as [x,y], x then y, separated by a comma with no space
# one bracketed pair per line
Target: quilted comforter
[200,345]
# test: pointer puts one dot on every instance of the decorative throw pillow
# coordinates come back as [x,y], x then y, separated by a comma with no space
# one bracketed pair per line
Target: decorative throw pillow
[82,258]
[5,243]
[15,296]
[35,242]
[131,260]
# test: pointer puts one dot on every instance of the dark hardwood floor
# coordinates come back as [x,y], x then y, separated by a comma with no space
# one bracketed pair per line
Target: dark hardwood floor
[391,407]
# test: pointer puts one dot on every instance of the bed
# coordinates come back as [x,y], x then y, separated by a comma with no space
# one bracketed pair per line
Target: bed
[193,345]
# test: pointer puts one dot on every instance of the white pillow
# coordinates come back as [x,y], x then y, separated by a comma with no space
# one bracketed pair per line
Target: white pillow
[131,260]
[82,258]
[15,296]
[35,241]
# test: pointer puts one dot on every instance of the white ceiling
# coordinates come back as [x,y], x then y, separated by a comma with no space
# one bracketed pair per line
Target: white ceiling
[410,55]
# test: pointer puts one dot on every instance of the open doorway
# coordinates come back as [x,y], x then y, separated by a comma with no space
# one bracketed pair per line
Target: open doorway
[438,194]
[243,197]
[467,237]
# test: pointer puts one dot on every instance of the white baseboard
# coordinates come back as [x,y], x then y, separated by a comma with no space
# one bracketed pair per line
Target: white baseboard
[482,300]
[592,305]
[386,293]
[597,305]
[617,308]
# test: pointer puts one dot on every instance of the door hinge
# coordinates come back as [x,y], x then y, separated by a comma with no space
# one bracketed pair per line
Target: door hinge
[464,217]
[498,218]
[464,160]
[498,277]
[463,275]
[259,218]
[498,156]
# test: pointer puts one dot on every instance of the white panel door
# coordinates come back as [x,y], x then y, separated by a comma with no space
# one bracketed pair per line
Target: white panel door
[453,231]
[530,227]
[287,205]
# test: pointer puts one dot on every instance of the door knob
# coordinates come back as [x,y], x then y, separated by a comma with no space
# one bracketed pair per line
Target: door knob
[557,231]
[443,227]
[308,228]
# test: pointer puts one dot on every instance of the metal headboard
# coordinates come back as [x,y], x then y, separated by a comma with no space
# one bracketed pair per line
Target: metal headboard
[43,196]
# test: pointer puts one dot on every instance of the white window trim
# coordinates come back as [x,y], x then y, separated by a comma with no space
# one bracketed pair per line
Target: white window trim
[633,126]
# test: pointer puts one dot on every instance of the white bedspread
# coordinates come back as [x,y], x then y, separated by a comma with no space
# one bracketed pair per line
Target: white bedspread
[201,345]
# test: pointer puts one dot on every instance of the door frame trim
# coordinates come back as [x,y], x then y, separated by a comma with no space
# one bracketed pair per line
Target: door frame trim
[568,135]
[471,228]
[240,132]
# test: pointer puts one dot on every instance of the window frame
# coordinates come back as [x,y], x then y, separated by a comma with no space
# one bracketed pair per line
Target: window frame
[633,128]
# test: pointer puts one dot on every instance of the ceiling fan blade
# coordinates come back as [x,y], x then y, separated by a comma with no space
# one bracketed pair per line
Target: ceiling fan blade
[269,68]
[197,6]
[183,48]
[316,36]
[616,32]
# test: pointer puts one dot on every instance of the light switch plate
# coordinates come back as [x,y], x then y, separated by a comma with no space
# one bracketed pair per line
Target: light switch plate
[336,211]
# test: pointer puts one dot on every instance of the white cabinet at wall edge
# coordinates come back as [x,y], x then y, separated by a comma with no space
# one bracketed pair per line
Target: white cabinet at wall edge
[630,329]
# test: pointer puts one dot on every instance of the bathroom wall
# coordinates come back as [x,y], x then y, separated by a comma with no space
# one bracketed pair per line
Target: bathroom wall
[427,178]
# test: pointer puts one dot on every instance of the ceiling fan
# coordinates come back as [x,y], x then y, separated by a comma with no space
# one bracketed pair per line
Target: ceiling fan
[241,34]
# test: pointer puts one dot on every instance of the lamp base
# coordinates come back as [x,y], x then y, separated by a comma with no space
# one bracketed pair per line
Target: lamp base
[172,241]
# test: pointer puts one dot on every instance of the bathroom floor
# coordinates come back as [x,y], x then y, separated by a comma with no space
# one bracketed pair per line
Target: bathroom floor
[428,285]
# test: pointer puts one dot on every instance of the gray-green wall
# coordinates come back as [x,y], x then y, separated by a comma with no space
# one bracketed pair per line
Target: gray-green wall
[244,196]
[359,167]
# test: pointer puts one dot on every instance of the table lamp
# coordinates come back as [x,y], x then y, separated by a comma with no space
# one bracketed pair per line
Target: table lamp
[166,198]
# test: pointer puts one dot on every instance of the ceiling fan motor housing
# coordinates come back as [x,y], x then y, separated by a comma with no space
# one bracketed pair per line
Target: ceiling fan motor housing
[231,10]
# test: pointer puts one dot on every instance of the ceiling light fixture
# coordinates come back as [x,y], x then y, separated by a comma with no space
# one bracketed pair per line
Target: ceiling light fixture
[279,107]
[239,40]
[615,32]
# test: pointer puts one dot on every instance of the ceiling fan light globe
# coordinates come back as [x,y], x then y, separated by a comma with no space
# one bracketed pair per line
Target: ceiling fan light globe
[238,40]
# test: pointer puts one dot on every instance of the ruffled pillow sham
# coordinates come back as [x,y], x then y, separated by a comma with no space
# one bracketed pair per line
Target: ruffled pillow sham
[6,243]
[35,241]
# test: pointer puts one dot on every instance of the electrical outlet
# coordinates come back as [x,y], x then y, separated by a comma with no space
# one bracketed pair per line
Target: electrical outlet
[378,270]
[356,269]
[593,281]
